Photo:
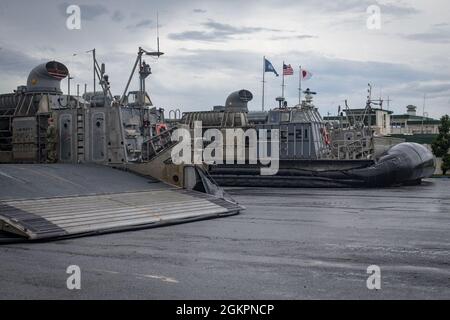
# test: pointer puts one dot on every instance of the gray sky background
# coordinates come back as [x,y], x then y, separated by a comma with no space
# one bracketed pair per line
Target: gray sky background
[215,47]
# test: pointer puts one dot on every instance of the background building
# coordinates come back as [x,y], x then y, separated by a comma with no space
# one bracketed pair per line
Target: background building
[410,123]
[384,122]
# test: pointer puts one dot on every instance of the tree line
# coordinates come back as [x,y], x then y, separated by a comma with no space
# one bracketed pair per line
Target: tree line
[441,144]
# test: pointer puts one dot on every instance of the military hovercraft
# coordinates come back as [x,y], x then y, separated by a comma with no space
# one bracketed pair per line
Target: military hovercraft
[311,154]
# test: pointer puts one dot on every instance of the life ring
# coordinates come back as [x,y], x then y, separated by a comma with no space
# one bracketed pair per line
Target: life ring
[326,136]
[160,127]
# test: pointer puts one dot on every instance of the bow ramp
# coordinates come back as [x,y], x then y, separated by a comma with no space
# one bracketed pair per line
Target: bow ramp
[61,200]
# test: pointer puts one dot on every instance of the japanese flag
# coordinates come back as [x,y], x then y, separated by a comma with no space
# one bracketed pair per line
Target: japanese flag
[306,75]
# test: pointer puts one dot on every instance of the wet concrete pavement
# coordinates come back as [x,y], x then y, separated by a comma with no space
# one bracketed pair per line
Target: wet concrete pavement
[288,244]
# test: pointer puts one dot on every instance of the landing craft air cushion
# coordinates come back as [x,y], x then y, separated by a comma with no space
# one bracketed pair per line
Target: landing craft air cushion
[310,153]
[58,154]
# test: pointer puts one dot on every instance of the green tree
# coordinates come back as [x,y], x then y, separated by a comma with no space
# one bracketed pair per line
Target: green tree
[445,164]
[441,144]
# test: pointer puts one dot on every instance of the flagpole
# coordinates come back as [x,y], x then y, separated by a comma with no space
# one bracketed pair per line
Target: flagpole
[263,81]
[282,83]
[300,75]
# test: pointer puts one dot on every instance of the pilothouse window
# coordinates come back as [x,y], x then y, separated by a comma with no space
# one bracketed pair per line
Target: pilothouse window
[134,98]
[274,117]
[285,116]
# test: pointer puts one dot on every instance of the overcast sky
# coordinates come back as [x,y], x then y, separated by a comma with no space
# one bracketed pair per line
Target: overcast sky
[215,47]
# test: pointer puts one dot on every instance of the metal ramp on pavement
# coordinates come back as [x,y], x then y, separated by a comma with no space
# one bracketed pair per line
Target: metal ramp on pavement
[87,212]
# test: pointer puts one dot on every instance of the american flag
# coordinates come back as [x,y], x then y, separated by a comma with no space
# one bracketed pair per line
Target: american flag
[287,70]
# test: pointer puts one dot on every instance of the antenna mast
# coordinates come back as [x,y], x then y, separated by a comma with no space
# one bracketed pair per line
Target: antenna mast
[157,30]
[144,68]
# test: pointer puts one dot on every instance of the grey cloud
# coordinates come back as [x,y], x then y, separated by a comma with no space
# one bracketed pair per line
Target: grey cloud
[436,89]
[300,36]
[230,30]
[443,24]
[430,37]
[216,31]
[339,79]
[397,10]
[343,6]
[194,35]
[17,62]
[215,59]
[118,16]
[438,33]
[333,78]
[199,11]
[141,24]
[365,71]
[327,6]
[305,36]
[88,11]
[433,89]
[325,67]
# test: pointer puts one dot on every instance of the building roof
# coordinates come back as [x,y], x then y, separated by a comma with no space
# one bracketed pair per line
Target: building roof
[362,110]
[412,118]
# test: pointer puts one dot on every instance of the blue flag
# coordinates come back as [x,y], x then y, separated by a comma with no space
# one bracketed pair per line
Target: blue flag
[268,67]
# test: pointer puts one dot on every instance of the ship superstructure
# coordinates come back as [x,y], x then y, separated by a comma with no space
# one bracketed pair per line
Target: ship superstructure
[57,152]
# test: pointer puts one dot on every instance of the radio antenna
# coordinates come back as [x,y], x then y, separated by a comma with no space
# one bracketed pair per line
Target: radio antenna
[157,53]
[157,29]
